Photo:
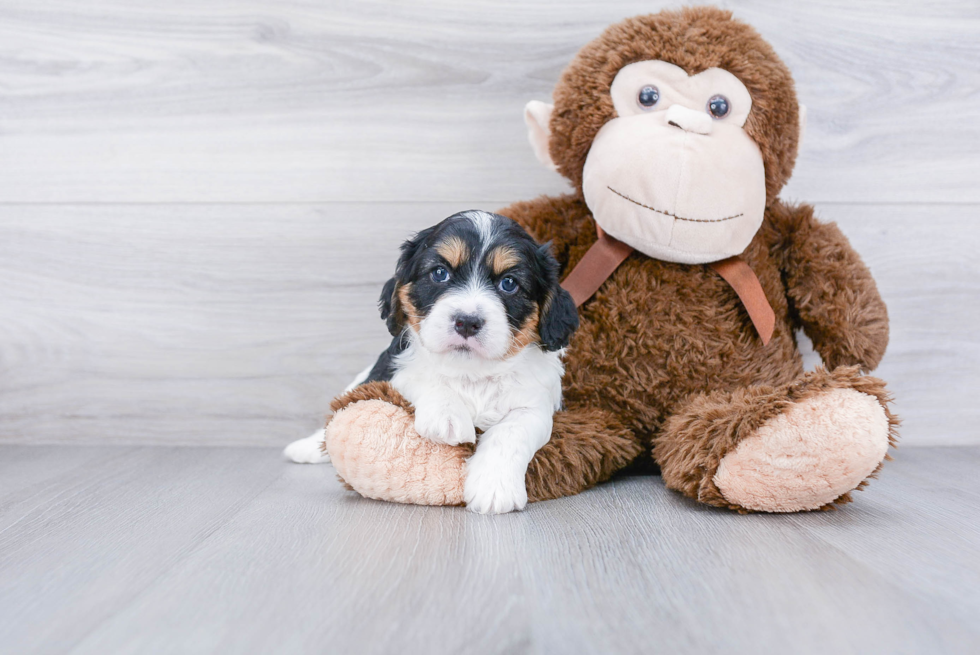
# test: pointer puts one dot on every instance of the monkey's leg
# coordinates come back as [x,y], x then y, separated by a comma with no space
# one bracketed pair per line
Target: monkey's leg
[803,446]
[377,452]
[372,441]
[587,446]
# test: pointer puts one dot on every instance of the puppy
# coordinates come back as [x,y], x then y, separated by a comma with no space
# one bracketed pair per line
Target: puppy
[479,324]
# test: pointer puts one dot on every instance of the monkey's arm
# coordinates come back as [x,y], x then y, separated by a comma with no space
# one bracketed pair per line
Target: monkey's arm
[835,298]
[565,221]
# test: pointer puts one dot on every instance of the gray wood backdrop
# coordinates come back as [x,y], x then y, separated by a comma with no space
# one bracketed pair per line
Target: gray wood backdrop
[199,201]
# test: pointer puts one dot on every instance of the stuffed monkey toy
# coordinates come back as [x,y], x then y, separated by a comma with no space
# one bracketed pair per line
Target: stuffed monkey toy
[677,131]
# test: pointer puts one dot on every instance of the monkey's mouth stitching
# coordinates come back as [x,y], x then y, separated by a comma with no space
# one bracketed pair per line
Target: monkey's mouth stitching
[680,218]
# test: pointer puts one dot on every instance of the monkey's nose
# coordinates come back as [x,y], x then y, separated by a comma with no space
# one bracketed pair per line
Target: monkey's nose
[689,120]
[468,325]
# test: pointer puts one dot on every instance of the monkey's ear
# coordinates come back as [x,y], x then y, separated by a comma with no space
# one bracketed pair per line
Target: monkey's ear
[559,320]
[390,307]
[537,117]
[799,140]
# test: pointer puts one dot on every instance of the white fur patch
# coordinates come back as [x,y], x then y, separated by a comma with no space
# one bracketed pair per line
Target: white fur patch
[438,333]
[485,223]
[307,451]
[511,400]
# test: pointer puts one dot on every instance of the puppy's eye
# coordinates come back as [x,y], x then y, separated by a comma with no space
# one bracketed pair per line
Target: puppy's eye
[440,274]
[508,285]
[719,106]
[648,96]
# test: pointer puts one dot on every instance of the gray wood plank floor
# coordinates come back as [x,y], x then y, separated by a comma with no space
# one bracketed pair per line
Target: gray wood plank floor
[230,550]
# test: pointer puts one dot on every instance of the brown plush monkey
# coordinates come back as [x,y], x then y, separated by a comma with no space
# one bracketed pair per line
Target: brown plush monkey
[677,131]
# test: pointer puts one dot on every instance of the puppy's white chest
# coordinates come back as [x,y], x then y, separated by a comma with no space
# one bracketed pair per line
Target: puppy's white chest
[530,380]
[485,401]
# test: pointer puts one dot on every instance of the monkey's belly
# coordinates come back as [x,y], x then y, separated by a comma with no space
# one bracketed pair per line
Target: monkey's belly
[657,333]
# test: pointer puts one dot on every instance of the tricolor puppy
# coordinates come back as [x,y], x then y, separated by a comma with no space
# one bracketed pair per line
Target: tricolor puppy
[479,325]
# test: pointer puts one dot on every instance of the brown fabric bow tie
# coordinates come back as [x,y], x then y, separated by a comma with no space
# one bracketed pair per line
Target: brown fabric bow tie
[606,254]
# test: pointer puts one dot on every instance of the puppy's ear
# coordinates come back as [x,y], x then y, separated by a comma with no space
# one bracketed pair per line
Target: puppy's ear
[411,249]
[388,303]
[559,320]
[559,315]
[391,308]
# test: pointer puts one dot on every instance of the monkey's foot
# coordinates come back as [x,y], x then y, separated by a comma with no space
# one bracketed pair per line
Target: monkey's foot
[377,452]
[809,456]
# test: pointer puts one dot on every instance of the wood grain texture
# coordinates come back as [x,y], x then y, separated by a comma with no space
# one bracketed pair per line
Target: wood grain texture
[78,547]
[218,324]
[210,550]
[303,100]
[189,324]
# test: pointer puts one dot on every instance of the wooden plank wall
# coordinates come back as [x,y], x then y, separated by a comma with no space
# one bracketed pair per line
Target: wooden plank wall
[200,201]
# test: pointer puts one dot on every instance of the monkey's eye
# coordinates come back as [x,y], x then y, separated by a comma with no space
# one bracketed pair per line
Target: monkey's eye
[719,106]
[648,96]
[508,285]
[439,274]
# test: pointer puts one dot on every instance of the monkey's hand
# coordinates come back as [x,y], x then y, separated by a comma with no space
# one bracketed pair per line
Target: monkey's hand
[831,289]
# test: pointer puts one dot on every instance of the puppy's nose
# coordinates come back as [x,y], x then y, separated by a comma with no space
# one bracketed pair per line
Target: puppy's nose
[468,325]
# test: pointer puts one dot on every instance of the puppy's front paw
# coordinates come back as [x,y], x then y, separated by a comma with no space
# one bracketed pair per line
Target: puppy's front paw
[444,424]
[492,488]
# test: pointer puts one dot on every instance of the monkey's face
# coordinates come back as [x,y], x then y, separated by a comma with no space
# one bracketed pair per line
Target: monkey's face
[674,174]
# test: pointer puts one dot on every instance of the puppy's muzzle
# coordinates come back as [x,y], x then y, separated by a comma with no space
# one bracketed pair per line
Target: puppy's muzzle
[468,325]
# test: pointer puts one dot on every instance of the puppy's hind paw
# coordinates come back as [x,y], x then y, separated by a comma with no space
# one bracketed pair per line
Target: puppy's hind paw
[308,450]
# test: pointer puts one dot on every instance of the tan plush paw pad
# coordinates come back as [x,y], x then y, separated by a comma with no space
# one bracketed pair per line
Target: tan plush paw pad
[376,450]
[807,457]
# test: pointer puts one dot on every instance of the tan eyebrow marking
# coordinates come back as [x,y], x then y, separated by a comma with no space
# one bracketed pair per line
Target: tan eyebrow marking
[501,258]
[454,251]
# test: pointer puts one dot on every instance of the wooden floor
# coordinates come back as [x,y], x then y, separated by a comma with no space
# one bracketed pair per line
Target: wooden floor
[231,550]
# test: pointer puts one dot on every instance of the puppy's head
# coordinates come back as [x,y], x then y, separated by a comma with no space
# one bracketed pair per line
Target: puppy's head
[478,285]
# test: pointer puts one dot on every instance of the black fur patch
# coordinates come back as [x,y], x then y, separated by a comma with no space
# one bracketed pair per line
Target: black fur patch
[559,322]
[384,368]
